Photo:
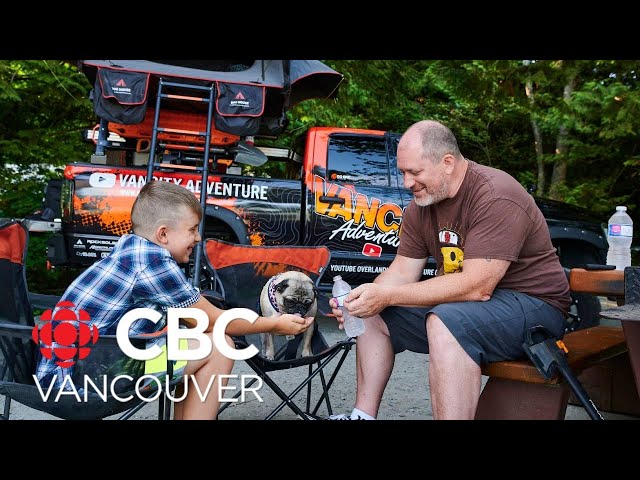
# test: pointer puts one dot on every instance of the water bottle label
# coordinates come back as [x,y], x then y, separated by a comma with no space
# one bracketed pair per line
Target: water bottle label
[340,299]
[617,230]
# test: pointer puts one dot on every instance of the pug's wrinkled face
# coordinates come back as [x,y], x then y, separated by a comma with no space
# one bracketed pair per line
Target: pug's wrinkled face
[296,294]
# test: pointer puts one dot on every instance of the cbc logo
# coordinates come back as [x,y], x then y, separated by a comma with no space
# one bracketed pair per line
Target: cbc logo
[71,340]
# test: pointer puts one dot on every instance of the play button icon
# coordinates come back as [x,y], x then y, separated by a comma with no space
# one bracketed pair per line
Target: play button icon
[102,180]
[371,250]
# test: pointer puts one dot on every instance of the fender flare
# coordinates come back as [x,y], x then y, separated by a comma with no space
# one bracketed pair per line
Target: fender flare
[231,219]
[574,233]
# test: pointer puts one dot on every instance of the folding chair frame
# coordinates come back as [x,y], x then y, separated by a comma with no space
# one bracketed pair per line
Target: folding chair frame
[220,255]
[287,400]
[16,324]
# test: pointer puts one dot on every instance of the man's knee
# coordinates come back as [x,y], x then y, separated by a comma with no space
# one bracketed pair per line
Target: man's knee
[436,329]
[432,322]
[377,326]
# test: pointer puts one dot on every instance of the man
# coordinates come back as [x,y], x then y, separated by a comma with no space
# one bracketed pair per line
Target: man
[497,275]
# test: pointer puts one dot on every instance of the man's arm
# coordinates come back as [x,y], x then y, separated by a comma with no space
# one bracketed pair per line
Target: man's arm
[476,282]
[402,270]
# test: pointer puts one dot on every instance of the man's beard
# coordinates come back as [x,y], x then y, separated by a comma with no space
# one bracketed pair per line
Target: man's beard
[430,199]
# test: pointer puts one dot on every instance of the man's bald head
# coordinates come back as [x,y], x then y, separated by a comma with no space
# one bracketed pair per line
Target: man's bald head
[433,138]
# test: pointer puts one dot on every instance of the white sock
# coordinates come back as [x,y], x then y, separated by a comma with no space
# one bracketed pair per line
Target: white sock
[359,413]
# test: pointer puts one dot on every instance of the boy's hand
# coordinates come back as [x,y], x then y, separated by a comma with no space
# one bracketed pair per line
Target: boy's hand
[288,324]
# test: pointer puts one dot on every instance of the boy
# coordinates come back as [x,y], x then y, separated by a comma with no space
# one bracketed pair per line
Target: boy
[142,272]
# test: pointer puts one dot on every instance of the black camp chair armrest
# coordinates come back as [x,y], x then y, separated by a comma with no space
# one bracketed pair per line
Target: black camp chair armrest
[15,330]
[143,336]
[25,331]
[216,298]
[43,301]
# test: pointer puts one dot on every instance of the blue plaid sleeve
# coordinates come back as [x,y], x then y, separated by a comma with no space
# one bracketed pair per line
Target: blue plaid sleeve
[164,284]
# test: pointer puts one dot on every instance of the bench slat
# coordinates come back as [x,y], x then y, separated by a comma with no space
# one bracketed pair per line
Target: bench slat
[586,348]
[606,283]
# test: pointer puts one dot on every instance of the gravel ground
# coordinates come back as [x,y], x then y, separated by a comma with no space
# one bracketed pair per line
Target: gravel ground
[406,396]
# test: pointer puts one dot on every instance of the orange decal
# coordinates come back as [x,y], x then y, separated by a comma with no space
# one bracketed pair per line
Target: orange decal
[335,209]
[366,211]
[257,238]
[388,217]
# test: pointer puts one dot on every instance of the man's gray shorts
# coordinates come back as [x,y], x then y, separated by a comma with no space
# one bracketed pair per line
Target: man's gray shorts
[488,331]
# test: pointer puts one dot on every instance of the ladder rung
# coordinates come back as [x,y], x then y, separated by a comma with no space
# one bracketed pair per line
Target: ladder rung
[184,97]
[184,132]
[182,167]
[176,146]
[187,86]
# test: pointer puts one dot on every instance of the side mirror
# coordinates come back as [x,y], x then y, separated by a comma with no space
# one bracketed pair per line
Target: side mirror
[248,155]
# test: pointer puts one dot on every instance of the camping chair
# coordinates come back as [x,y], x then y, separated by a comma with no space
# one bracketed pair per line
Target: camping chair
[238,274]
[18,352]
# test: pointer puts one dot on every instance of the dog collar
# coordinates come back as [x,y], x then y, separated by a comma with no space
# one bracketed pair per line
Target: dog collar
[271,289]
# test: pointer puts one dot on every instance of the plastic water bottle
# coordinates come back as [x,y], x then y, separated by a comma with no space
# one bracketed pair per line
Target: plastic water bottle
[353,326]
[620,236]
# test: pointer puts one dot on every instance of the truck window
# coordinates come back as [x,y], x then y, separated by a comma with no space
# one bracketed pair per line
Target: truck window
[358,160]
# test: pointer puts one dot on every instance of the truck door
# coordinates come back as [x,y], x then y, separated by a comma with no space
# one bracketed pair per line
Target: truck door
[357,208]
[396,176]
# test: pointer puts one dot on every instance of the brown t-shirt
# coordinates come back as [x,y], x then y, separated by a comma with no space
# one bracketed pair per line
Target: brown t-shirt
[491,216]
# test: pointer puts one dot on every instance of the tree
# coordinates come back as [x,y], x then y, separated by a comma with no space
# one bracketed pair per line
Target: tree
[43,111]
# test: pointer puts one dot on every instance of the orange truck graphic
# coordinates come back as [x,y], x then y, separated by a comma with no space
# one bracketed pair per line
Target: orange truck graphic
[338,190]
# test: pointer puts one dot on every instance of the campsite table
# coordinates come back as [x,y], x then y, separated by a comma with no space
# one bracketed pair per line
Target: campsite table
[628,312]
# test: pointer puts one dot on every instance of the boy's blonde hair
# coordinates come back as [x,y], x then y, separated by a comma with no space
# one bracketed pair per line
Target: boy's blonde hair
[159,203]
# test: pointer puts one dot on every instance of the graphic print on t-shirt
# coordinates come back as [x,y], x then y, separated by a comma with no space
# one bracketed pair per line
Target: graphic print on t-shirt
[452,253]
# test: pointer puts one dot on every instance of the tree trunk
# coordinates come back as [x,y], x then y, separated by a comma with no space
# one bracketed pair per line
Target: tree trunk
[537,135]
[559,175]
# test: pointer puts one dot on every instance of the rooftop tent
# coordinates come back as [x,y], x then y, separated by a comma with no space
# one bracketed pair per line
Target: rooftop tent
[312,79]
[278,84]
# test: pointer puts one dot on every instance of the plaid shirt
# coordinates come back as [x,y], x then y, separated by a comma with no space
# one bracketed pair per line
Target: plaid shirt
[136,274]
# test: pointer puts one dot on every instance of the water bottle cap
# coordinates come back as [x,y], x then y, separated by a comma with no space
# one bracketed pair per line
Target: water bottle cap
[621,208]
[337,277]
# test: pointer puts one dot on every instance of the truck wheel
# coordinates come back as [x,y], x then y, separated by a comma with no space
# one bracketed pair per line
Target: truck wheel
[584,311]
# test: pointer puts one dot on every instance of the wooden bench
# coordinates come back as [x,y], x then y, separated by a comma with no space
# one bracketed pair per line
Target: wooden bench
[515,389]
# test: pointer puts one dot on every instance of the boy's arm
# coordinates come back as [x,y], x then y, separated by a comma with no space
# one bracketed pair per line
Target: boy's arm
[284,324]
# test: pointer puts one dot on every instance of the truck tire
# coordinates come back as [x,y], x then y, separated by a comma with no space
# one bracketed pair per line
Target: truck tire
[584,311]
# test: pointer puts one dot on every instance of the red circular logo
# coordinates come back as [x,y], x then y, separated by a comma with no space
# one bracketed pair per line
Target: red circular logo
[71,339]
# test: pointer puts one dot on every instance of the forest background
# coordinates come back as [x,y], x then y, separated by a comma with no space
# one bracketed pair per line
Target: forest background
[566,129]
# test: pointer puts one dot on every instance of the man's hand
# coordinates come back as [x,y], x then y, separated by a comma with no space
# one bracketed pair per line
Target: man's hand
[367,300]
[288,324]
[364,301]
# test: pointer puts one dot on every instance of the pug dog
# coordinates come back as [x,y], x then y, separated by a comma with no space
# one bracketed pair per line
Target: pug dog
[288,292]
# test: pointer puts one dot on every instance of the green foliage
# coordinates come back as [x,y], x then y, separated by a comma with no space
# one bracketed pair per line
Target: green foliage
[40,279]
[44,109]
